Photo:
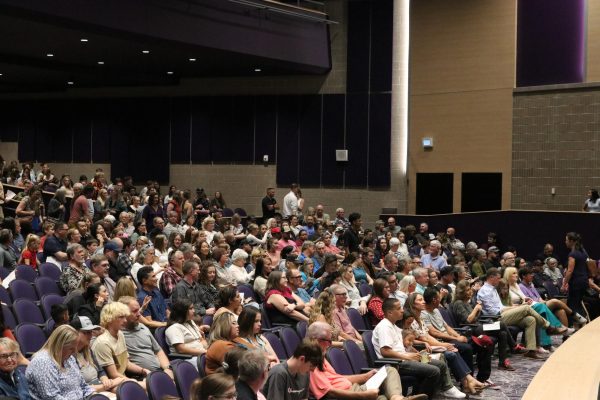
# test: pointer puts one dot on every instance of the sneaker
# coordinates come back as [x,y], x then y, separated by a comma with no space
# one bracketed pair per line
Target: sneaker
[454,393]
[569,331]
[506,366]
[542,350]
[579,318]
[556,330]
[533,354]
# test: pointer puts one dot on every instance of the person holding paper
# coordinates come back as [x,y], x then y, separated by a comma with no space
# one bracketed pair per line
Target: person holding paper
[326,381]
[388,343]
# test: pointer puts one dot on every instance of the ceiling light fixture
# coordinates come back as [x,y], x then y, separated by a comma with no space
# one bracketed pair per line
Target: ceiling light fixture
[101,62]
[70,83]
[169,72]
[192,59]
[83,40]
[49,55]
[257,70]
[146,51]
[0,74]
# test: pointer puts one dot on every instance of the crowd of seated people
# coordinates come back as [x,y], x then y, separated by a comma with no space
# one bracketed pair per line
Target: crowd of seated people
[149,280]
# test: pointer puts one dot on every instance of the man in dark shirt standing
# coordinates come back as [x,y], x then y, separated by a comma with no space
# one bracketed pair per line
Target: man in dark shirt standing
[269,204]
[351,236]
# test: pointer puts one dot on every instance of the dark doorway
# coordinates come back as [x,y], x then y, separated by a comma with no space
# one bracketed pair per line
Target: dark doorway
[434,193]
[481,192]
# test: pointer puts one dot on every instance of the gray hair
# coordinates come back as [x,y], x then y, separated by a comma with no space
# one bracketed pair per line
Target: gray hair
[481,253]
[186,248]
[394,242]
[72,249]
[435,243]
[418,271]
[252,366]
[318,329]
[471,246]
[307,244]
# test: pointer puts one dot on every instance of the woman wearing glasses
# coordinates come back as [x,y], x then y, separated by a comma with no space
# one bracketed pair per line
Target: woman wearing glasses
[16,387]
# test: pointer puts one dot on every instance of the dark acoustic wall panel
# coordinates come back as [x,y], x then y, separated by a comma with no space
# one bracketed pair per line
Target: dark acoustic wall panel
[27,142]
[122,117]
[180,130]
[358,52]
[481,192]
[44,127]
[551,42]
[60,132]
[201,112]
[332,172]
[382,24]
[434,193]
[357,143]
[265,128]
[380,120]
[80,120]
[287,140]
[241,140]
[149,142]
[9,122]
[221,130]
[310,141]
[101,137]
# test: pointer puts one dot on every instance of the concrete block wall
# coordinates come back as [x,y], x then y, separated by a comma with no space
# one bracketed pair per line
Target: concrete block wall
[556,142]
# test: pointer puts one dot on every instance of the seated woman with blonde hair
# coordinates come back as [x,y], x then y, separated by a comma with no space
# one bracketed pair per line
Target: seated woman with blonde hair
[53,372]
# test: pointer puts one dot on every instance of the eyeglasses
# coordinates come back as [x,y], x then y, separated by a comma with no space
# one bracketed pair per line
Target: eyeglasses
[341,294]
[6,356]
[297,276]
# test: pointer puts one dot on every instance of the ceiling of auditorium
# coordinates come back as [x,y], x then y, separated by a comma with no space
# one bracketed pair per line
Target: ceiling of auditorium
[38,55]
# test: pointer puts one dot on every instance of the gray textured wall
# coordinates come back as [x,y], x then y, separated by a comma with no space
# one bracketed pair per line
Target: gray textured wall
[556,144]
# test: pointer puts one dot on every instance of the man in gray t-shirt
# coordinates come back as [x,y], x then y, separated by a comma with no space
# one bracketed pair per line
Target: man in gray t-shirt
[143,349]
[290,379]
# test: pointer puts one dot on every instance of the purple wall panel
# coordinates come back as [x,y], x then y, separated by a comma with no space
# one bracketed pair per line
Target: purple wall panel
[550,42]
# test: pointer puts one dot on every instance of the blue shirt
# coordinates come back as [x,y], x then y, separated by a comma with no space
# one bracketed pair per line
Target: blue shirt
[157,308]
[303,294]
[21,388]
[490,299]
[436,263]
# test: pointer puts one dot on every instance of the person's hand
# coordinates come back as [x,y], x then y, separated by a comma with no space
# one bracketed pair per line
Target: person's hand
[528,300]
[428,348]
[370,373]
[478,307]
[362,308]
[461,339]
[210,311]
[289,308]
[412,356]
[147,301]
[565,287]
[451,347]
[444,292]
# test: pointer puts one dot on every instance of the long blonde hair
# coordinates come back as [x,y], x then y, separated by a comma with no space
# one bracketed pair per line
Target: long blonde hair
[324,305]
[61,336]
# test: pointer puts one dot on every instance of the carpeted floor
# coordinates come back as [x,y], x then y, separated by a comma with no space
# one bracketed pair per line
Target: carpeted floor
[512,384]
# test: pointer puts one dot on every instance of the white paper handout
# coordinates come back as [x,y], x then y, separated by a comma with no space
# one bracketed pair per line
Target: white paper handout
[492,327]
[376,380]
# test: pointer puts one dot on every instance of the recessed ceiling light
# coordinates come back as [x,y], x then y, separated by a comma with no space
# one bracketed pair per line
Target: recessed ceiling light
[0,74]
[257,70]
[169,72]
[49,55]
[101,62]
[83,39]
[70,83]
[192,59]
[146,51]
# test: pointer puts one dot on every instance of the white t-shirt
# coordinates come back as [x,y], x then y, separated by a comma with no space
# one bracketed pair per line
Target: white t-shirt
[290,204]
[187,333]
[389,335]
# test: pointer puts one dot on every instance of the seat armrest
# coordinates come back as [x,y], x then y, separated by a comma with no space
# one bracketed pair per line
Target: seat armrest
[179,356]
[380,362]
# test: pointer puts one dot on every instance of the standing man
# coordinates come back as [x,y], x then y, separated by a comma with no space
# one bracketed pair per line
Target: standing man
[269,204]
[290,202]
[351,236]
[392,227]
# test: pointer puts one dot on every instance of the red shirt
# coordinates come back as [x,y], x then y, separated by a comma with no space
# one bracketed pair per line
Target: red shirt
[32,257]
